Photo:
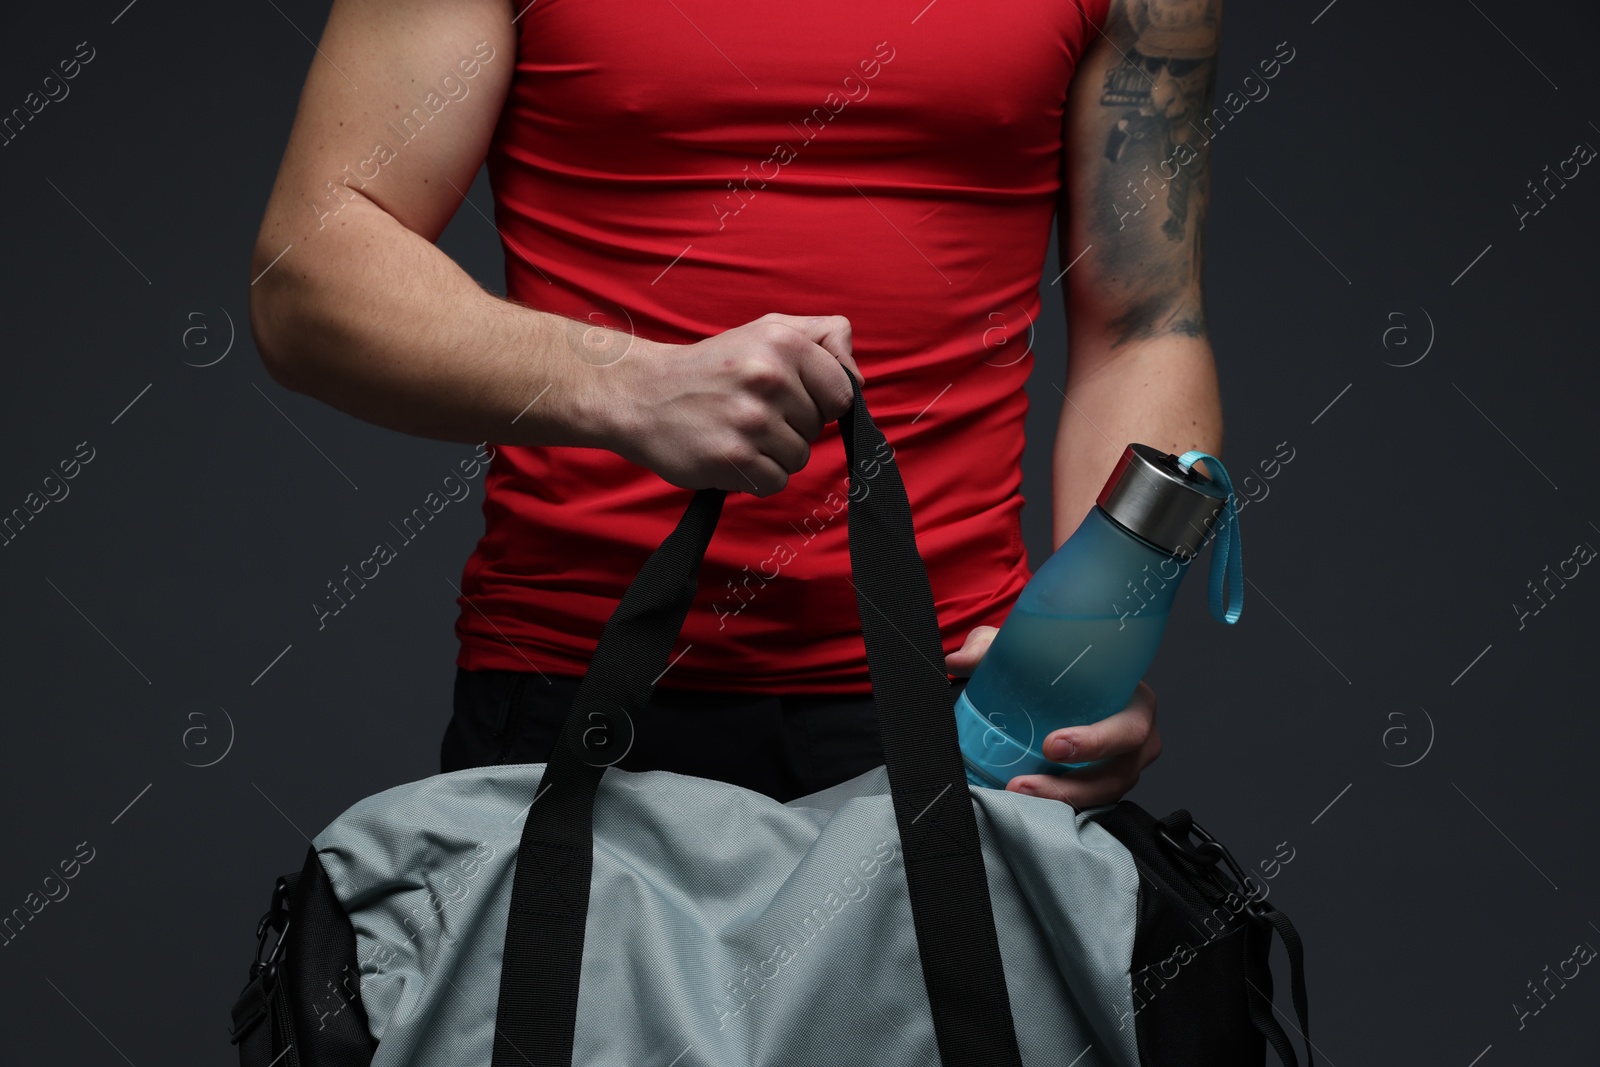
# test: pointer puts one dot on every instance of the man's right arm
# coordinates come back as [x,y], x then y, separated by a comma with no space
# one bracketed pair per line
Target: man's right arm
[352,302]
[363,311]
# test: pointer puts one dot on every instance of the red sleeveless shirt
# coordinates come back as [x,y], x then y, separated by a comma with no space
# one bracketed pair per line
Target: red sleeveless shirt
[680,169]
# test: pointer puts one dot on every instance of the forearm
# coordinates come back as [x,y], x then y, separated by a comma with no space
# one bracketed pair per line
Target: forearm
[372,318]
[1135,191]
[1161,392]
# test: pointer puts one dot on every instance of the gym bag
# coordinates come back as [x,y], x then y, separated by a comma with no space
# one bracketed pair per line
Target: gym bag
[572,914]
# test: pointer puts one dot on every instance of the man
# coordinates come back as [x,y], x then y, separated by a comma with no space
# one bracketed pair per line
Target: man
[708,216]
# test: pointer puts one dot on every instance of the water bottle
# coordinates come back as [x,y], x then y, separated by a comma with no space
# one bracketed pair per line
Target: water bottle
[1086,626]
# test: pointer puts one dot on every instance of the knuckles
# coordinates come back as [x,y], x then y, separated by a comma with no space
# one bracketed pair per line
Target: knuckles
[747,416]
[762,373]
[741,452]
[774,334]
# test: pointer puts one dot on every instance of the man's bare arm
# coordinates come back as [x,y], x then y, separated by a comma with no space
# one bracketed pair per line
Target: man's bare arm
[1132,212]
[362,311]
[1136,171]
[353,304]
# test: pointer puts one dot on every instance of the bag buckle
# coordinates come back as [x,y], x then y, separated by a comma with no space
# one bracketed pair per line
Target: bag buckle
[254,1003]
[277,920]
[1207,854]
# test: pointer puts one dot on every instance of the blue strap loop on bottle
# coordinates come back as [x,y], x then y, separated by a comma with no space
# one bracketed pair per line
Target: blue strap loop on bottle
[1227,568]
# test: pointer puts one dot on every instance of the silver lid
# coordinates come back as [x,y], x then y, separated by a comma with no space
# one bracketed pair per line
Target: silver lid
[1156,499]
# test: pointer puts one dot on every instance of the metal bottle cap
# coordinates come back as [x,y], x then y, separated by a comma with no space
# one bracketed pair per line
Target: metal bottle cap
[1159,501]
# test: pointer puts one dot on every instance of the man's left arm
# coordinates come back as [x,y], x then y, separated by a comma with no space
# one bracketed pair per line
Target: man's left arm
[1133,201]
[1132,212]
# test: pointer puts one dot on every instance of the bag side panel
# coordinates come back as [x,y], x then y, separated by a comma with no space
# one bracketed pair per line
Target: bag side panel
[1188,974]
[322,976]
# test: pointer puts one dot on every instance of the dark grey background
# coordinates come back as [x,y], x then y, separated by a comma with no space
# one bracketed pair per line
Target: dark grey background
[143,611]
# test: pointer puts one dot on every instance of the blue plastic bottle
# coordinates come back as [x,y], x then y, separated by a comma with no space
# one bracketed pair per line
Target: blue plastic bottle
[1086,626]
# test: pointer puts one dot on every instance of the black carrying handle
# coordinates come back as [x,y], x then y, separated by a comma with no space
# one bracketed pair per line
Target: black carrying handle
[1262,919]
[1258,966]
[947,886]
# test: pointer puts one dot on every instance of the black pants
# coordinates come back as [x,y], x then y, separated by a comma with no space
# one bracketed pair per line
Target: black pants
[784,746]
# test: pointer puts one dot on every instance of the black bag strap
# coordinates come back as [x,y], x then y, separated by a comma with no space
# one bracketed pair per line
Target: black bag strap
[252,1026]
[1262,919]
[1258,949]
[1260,964]
[947,886]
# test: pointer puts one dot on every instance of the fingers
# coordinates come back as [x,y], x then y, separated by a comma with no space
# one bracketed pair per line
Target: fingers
[821,365]
[818,348]
[783,452]
[1124,744]
[1105,783]
[831,332]
[1102,785]
[1125,731]
[755,474]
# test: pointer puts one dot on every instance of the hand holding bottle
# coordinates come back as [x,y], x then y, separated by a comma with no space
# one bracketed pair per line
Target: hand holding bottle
[1127,742]
[1035,707]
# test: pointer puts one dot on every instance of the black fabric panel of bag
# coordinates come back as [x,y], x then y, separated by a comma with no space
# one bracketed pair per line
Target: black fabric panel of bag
[306,1011]
[1213,1006]
[948,890]
[324,975]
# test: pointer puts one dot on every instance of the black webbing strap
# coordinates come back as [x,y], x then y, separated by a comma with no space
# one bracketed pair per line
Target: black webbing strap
[1258,1000]
[537,1014]
[1297,973]
[948,890]
[1263,920]
[252,1024]
[933,807]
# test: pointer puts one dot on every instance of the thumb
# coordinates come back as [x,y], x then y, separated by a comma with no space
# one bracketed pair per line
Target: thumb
[965,659]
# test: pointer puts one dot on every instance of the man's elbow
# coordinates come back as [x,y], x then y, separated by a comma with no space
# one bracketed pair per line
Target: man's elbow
[276,311]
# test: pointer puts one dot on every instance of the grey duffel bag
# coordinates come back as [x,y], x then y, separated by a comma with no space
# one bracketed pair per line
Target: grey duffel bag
[573,913]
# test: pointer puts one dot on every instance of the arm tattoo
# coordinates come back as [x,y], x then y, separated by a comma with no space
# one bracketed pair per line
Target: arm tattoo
[1154,171]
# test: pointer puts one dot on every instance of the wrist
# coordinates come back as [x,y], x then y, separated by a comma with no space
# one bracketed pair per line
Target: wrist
[611,375]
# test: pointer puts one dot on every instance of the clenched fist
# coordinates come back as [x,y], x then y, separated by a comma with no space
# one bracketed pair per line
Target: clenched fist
[738,410]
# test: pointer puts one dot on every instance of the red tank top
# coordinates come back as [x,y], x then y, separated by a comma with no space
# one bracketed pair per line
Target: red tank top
[680,169]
